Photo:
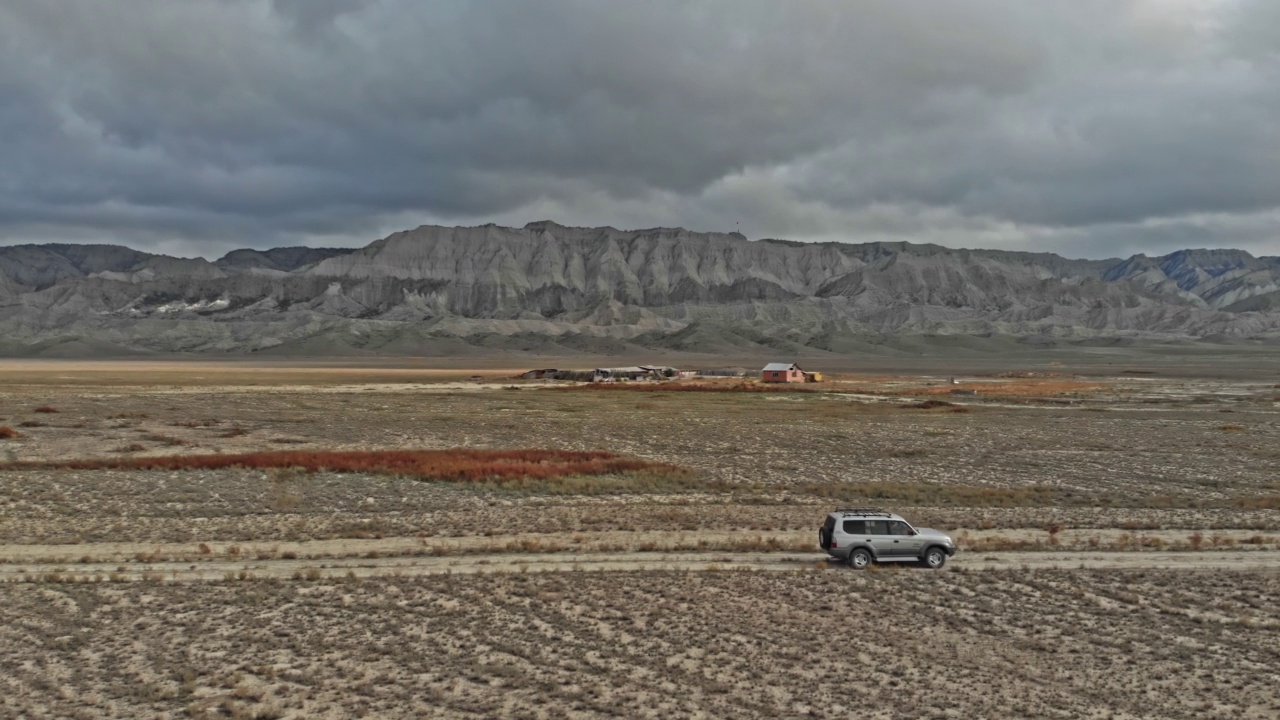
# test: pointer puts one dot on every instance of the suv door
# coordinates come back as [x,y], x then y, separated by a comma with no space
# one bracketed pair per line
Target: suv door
[881,540]
[854,533]
[906,543]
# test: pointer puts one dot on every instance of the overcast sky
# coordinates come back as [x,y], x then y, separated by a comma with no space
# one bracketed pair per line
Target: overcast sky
[1090,128]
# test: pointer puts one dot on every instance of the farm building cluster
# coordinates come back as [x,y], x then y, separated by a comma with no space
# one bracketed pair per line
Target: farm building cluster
[614,374]
[771,373]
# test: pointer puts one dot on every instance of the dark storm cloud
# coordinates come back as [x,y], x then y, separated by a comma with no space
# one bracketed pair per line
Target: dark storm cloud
[1084,127]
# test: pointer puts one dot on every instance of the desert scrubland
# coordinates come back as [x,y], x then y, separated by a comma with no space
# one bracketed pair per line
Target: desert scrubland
[1119,534]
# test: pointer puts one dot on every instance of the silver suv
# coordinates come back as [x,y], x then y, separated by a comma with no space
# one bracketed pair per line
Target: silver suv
[860,536]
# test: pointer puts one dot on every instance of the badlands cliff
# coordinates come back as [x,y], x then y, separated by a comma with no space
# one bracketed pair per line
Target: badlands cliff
[549,288]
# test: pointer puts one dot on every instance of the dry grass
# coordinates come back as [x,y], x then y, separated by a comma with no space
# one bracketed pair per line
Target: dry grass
[202,373]
[1262,502]
[931,404]
[285,632]
[932,495]
[1024,388]
[502,467]
[167,440]
[647,645]
[1025,496]
[1162,464]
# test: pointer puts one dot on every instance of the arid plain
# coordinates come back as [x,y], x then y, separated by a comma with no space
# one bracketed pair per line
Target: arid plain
[1119,530]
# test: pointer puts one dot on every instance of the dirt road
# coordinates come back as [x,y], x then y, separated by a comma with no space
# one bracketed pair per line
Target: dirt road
[614,542]
[414,565]
[605,551]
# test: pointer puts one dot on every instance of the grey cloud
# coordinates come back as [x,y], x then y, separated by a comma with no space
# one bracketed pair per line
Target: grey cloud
[1002,122]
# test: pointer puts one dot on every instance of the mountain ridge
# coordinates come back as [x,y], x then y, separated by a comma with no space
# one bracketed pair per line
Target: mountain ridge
[484,288]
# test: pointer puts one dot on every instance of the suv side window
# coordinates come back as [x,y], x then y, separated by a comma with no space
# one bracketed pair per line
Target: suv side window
[877,527]
[855,527]
[897,527]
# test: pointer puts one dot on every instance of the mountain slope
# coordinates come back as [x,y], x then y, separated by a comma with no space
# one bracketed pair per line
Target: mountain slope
[550,288]
[276,260]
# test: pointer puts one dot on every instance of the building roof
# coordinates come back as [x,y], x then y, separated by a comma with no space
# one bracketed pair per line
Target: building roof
[780,367]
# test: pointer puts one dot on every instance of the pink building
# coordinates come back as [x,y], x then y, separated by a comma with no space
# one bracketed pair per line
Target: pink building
[781,373]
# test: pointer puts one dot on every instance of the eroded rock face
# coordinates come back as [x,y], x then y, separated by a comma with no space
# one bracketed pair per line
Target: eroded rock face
[547,287]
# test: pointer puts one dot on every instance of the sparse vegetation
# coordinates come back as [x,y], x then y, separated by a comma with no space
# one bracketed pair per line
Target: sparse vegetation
[274,569]
[1152,476]
[932,404]
[1261,502]
[167,440]
[939,495]
[507,468]
[1017,468]
[718,644]
[47,409]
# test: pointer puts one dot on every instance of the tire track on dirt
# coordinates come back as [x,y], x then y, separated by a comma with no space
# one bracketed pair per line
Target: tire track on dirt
[612,542]
[410,566]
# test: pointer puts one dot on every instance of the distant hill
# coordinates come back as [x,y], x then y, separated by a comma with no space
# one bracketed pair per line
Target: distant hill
[549,288]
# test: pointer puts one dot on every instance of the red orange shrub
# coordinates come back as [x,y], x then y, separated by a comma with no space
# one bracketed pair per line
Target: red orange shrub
[459,465]
[8,433]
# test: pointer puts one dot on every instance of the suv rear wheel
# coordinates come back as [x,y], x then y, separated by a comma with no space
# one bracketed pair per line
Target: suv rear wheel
[859,559]
[934,558]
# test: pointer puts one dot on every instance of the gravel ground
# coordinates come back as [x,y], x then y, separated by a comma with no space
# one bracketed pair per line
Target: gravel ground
[1044,644]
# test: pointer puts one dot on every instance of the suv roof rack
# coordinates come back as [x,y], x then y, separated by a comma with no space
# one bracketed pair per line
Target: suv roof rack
[864,511]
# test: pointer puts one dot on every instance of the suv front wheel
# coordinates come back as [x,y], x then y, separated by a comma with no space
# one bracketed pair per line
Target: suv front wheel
[859,559]
[934,558]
